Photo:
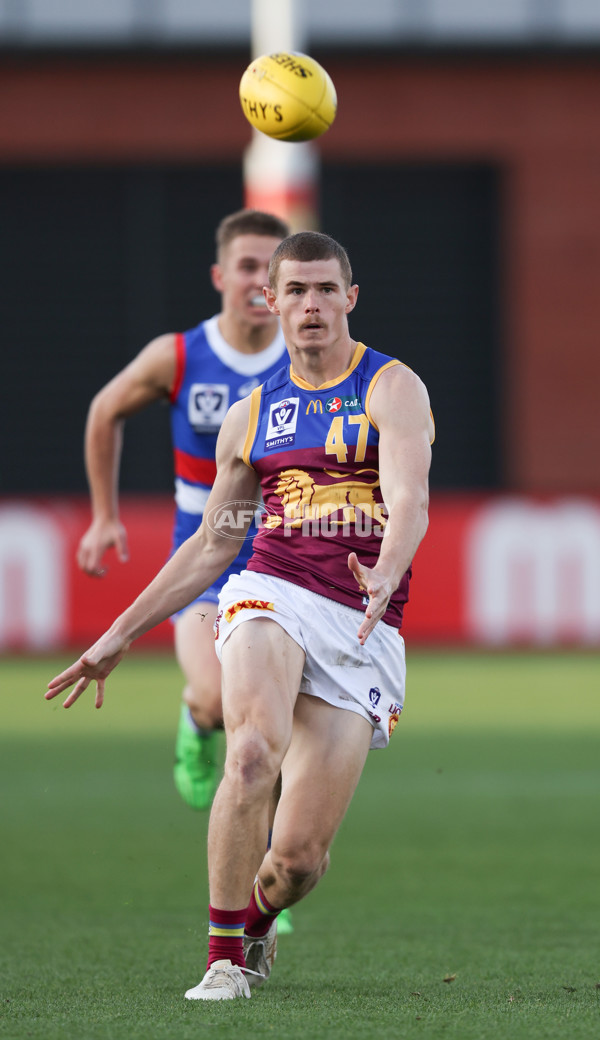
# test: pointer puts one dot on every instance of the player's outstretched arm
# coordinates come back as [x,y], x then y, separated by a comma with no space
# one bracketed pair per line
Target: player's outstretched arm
[148,377]
[193,568]
[400,409]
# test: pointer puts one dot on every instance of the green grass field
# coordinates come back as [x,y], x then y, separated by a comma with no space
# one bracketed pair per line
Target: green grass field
[463,899]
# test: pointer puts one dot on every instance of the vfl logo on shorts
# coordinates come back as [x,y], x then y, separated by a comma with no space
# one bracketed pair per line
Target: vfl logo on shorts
[247,604]
[281,427]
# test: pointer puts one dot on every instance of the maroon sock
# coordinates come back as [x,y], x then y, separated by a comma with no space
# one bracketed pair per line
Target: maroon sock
[225,933]
[260,914]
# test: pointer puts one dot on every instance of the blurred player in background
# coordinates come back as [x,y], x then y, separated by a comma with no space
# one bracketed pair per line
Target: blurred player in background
[201,373]
[313,660]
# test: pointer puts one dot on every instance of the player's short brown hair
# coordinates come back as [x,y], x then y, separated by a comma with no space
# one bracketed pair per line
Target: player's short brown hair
[248,222]
[306,246]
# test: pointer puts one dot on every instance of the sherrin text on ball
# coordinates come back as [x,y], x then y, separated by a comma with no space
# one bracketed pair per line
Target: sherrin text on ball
[288,96]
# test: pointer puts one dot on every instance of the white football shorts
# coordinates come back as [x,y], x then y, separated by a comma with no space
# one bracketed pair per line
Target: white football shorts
[366,679]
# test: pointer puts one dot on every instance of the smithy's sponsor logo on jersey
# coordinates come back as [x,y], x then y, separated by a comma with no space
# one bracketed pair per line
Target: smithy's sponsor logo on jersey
[283,418]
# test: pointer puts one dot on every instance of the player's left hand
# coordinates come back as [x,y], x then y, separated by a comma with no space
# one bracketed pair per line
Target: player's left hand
[95,664]
[378,589]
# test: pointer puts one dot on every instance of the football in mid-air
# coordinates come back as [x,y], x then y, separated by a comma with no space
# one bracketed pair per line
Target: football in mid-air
[288,96]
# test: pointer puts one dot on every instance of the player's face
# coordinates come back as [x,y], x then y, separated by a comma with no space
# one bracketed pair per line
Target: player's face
[241,275]
[313,302]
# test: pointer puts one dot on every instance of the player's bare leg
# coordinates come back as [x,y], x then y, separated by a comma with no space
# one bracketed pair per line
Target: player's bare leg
[321,770]
[197,749]
[195,651]
[262,668]
[319,775]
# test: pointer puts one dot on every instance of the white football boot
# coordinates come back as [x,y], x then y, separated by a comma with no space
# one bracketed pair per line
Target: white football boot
[260,954]
[223,981]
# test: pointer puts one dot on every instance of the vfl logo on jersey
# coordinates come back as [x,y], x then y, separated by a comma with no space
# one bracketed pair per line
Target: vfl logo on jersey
[207,406]
[374,695]
[281,428]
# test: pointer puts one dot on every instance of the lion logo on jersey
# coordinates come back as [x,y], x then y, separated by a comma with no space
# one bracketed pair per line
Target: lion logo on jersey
[304,499]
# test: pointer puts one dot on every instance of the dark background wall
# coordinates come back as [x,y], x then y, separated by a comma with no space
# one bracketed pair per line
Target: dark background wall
[94,262]
[482,169]
[424,242]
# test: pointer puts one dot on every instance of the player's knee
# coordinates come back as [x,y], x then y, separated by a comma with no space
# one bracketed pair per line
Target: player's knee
[301,867]
[205,705]
[252,763]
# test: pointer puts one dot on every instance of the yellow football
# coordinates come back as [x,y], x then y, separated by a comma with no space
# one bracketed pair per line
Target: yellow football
[288,96]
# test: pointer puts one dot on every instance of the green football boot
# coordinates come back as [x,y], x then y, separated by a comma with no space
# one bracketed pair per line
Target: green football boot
[196,763]
[284,923]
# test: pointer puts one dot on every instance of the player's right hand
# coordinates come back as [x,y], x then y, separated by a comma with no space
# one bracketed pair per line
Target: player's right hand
[100,536]
[95,664]
[378,589]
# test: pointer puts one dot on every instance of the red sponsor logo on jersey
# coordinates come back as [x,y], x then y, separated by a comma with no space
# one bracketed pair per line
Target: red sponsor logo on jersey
[247,604]
[333,404]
